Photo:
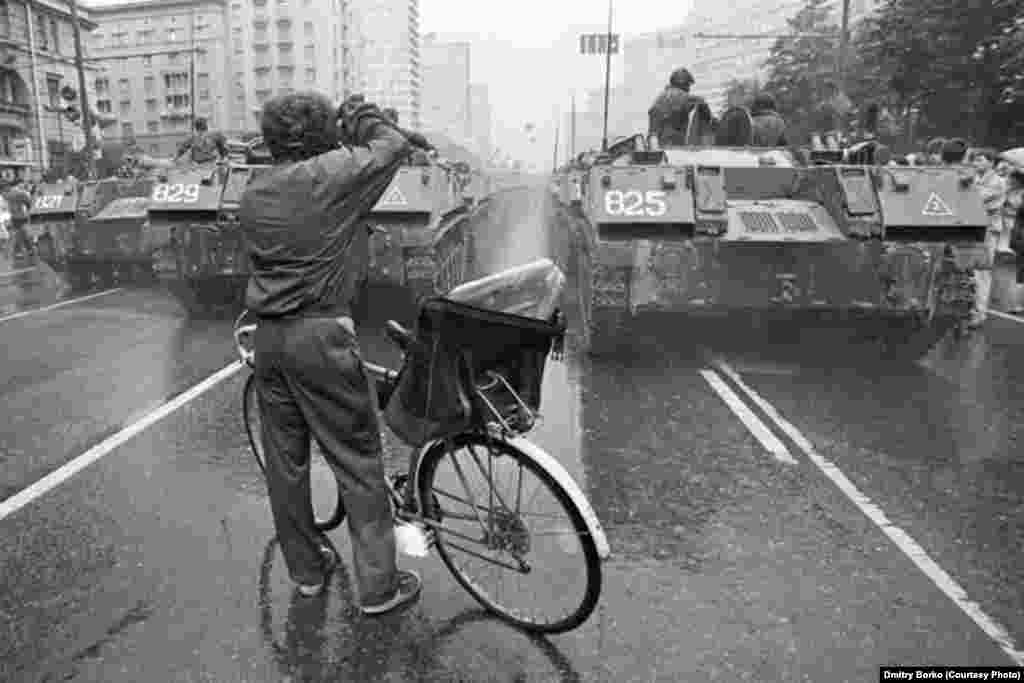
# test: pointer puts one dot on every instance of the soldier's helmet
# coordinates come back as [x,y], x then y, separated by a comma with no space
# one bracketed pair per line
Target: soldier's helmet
[681,78]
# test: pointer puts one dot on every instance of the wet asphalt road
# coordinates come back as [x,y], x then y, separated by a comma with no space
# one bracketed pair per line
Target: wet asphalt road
[157,562]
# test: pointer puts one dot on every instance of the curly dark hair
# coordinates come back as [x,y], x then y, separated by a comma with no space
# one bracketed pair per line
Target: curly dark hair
[299,125]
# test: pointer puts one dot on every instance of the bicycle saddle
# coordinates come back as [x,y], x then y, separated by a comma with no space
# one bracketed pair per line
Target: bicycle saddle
[399,334]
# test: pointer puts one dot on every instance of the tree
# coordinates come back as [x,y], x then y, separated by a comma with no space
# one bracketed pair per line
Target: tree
[960,74]
[801,71]
[740,93]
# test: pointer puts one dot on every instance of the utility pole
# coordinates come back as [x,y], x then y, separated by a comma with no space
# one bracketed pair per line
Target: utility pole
[192,63]
[572,131]
[83,95]
[554,158]
[607,77]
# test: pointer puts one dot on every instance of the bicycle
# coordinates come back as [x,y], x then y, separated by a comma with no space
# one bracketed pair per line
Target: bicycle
[499,416]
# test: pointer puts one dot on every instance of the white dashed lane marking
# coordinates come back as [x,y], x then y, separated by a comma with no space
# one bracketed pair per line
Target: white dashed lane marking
[911,548]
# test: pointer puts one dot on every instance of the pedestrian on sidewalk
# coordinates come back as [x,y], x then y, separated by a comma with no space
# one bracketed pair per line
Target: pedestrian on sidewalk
[304,226]
[993,194]
[1013,222]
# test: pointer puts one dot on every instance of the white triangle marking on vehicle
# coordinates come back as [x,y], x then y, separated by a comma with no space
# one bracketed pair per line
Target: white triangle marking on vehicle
[936,207]
[394,196]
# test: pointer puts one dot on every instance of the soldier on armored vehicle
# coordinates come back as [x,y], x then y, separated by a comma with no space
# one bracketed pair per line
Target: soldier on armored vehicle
[204,146]
[669,116]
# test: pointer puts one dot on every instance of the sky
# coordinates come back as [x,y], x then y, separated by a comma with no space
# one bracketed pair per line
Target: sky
[526,51]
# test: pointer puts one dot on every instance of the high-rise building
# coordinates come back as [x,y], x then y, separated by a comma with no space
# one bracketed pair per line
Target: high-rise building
[164,61]
[480,119]
[389,49]
[719,60]
[37,52]
[283,46]
[445,95]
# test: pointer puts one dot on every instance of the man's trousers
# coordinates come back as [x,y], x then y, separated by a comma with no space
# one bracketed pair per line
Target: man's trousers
[311,382]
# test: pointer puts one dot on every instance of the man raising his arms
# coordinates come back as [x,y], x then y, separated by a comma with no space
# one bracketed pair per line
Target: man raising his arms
[303,221]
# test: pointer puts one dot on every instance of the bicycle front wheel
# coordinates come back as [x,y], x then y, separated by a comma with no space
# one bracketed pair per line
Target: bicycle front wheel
[510,533]
[328,507]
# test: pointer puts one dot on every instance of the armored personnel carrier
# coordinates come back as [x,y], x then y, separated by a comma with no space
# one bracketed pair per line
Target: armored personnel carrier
[422,238]
[729,228]
[104,245]
[193,211]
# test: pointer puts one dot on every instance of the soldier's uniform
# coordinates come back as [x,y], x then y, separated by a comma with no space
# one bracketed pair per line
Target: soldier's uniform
[204,146]
[669,115]
[769,127]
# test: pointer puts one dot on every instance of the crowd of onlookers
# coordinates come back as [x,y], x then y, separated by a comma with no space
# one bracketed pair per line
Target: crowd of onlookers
[1000,179]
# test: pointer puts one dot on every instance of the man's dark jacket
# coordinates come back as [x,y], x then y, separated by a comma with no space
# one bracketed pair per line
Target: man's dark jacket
[769,129]
[669,115]
[304,230]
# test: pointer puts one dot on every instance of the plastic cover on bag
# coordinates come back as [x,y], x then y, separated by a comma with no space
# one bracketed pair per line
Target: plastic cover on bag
[531,290]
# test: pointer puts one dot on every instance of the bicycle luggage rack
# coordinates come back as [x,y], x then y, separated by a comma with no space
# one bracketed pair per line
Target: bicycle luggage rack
[517,417]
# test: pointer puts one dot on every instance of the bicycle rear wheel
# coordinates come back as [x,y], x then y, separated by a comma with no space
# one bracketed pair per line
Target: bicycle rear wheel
[328,507]
[481,521]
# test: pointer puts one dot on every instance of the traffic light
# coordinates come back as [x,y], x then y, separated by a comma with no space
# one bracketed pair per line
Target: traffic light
[71,111]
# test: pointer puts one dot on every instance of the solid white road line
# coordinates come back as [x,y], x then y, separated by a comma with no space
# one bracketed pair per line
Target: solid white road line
[1006,316]
[753,423]
[16,272]
[943,581]
[70,469]
[66,302]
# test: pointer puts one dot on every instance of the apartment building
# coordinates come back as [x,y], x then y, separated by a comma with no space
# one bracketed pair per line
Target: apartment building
[719,60]
[445,96]
[37,52]
[388,48]
[163,61]
[283,46]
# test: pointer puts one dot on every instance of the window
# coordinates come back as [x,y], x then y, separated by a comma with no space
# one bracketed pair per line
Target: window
[53,90]
[143,37]
[262,96]
[174,58]
[204,95]
[152,126]
[103,106]
[236,7]
[154,148]
[5,19]
[309,29]
[203,80]
[127,130]
[147,61]
[311,53]
[55,35]
[177,101]
[175,81]
[124,84]
[126,107]
[172,34]
[42,35]
[102,86]
[201,58]
[310,75]
[151,105]
[149,84]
